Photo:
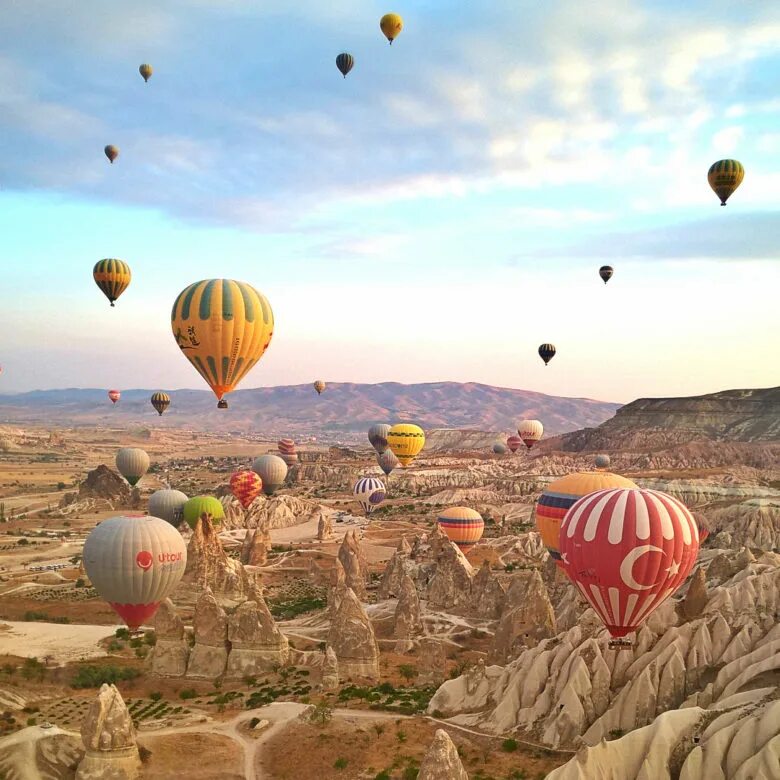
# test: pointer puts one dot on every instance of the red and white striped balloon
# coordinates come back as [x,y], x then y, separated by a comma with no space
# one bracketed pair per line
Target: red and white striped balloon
[628,550]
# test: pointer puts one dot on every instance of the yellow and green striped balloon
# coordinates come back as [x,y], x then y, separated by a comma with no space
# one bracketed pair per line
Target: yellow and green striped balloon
[724,176]
[112,276]
[223,327]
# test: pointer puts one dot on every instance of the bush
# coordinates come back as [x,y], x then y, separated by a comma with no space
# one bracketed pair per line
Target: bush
[150,638]
[122,633]
[340,763]
[144,753]
[383,775]
[80,583]
[410,773]
[94,676]
[407,671]
[155,695]
[253,722]
[188,693]
[61,486]
[320,714]
[509,745]
[32,721]
[23,541]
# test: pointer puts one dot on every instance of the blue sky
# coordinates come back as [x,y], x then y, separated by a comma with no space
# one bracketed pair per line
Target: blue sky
[434,216]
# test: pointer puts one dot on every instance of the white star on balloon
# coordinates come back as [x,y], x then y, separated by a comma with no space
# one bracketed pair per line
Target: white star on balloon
[673,569]
[565,558]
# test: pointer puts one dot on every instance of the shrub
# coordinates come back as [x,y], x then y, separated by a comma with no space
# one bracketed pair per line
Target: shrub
[188,693]
[32,721]
[509,745]
[410,773]
[616,733]
[122,633]
[401,735]
[150,638]
[340,763]
[144,753]
[61,486]
[155,695]
[80,583]
[407,671]
[253,722]
[23,541]
[320,713]
[94,676]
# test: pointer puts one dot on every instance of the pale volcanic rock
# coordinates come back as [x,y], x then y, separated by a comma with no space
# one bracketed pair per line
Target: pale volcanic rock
[397,568]
[354,562]
[35,753]
[450,586]
[171,650]
[408,620]
[256,643]
[487,593]
[330,671]
[104,483]
[720,568]
[109,738]
[754,523]
[324,527]
[276,512]
[442,761]
[432,662]
[246,545]
[404,546]
[209,655]
[256,545]
[696,597]
[353,640]
[526,618]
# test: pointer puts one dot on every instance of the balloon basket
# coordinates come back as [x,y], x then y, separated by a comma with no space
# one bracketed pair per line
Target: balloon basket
[620,644]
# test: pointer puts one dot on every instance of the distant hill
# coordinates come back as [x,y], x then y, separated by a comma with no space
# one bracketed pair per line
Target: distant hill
[654,423]
[343,411]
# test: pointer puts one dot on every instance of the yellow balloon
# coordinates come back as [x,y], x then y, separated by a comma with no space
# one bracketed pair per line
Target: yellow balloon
[391,25]
[406,441]
[223,327]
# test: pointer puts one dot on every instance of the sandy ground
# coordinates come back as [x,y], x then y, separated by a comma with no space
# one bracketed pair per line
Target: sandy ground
[63,643]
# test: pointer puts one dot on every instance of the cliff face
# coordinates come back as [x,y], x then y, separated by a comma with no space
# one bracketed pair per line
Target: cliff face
[652,423]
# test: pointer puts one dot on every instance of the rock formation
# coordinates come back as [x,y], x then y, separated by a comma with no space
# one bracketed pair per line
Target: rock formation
[399,566]
[754,523]
[527,617]
[450,586]
[171,650]
[354,563]
[432,662]
[102,482]
[442,761]
[408,620]
[696,597]
[209,655]
[330,671]
[324,527]
[487,593]
[277,512]
[256,643]
[257,543]
[352,639]
[109,738]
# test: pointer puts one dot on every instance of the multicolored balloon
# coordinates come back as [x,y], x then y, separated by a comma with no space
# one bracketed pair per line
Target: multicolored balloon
[605,272]
[391,26]
[134,563]
[319,386]
[246,486]
[146,71]
[559,497]
[547,352]
[724,176]
[530,431]
[272,470]
[114,395]
[199,506]
[387,461]
[602,461]
[132,463]
[627,550]
[112,152]
[169,505]
[223,327]
[499,449]
[377,435]
[369,492]
[160,401]
[462,525]
[345,62]
[406,441]
[513,442]
[287,451]
[112,276]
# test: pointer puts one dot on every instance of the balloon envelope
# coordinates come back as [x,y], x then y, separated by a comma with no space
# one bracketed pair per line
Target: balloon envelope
[530,431]
[560,495]
[112,276]
[605,272]
[370,492]
[345,63]
[168,504]
[628,550]
[391,26]
[377,435]
[387,461]
[134,563]
[146,71]
[272,470]
[547,352]
[514,442]
[246,486]
[203,505]
[724,176]
[319,386]
[602,461]
[499,449]
[132,463]
[112,152]
[160,401]
[287,452]
[406,441]
[462,525]
[222,327]
[114,395]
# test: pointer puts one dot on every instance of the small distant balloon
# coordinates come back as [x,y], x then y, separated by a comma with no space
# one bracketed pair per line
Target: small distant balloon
[724,176]
[246,486]
[514,442]
[114,395]
[132,463]
[377,435]
[406,441]
[112,276]
[499,449]
[112,152]
[287,451]
[319,386]
[387,461]
[146,71]
[391,25]
[370,493]
[602,461]
[272,470]
[160,401]
[605,272]
[463,526]
[547,352]
[345,62]
[530,431]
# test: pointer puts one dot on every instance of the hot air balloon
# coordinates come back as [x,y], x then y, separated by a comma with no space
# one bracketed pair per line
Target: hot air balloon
[112,276]
[377,435]
[319,386]
[114,395]
[462,525]
[530,431]
[547,352]
[387,461]
[199,506]
[406,441]
[112,152]
[246,486]
[724,177]
[370,492]
[514,442]
[160,401]
[146,71]
[499,449]
[223,327]
[168,504]
[345,62]
[134,563]
[559,496]
[391,25]
[287,452]
[272,470]
[628,550]
[132,463]
[602,461]
[605,272]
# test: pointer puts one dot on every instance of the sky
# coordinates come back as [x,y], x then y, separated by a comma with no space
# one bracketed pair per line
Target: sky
[434,216]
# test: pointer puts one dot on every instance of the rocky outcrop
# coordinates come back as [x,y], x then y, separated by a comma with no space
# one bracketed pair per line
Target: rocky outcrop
[277,512]
[256,643]
[209,655]
[257,543]
[354,562]
[442,761]
[527,617]
[754,523]
[330,671]
[399,566]
[324,527]
[450,586]
[407,624]
[696,597]
[487,593]
[109,739]
[104,483]
[352,639]
[171,650]
[431,662]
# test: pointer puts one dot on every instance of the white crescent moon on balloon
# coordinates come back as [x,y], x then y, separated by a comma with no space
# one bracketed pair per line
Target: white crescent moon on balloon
[627,567]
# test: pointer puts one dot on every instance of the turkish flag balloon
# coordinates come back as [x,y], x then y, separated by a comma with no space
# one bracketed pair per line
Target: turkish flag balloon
[628,550]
